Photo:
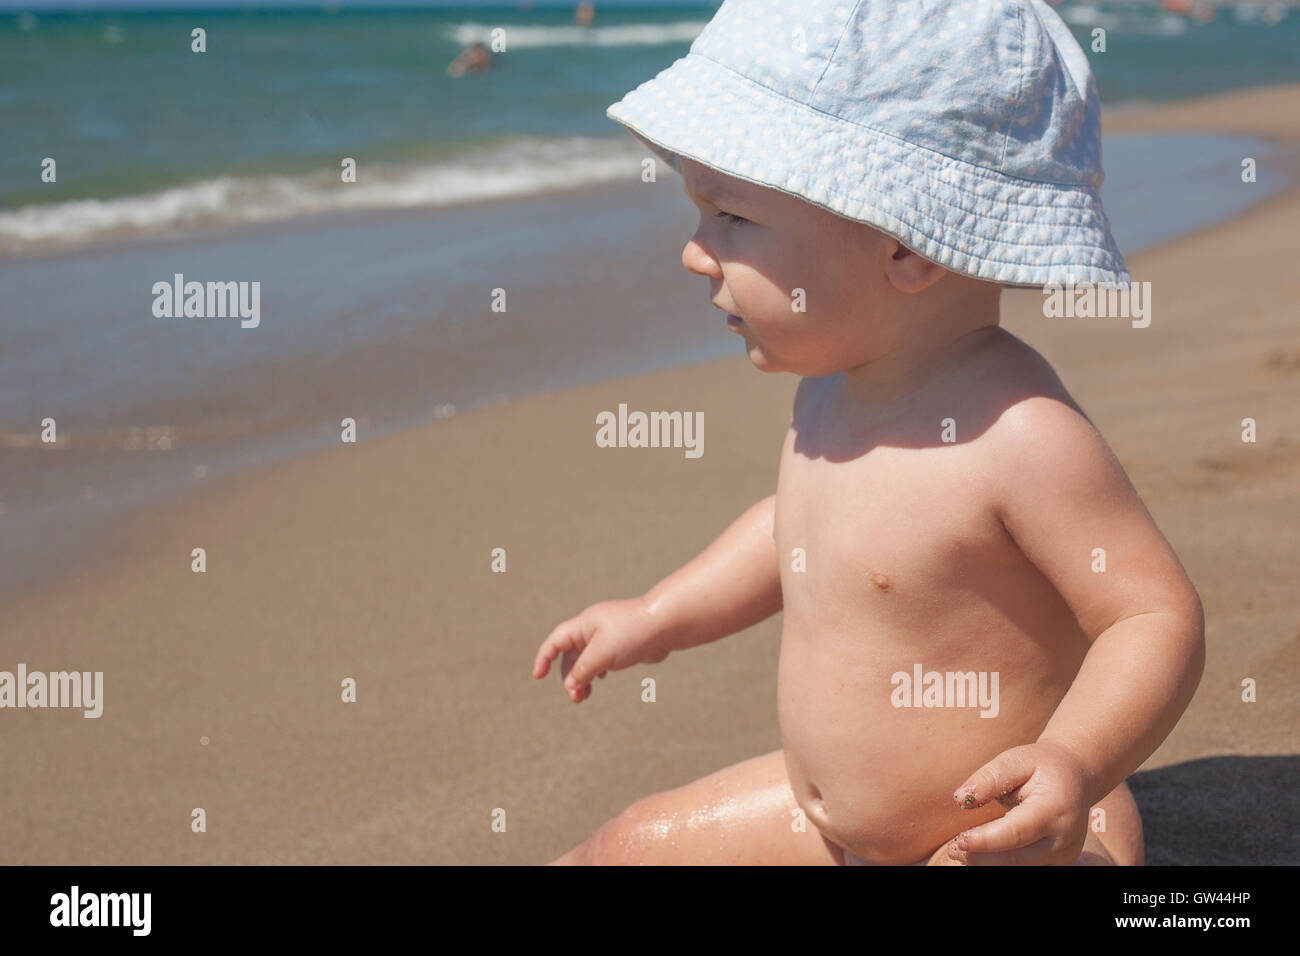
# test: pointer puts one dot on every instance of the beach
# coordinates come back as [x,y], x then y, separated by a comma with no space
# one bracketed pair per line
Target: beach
[373,561]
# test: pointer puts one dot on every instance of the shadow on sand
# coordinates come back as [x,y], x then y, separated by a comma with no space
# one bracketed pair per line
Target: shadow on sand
[1230,811]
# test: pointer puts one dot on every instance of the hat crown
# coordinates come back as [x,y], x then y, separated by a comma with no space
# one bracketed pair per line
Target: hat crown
[1000,84]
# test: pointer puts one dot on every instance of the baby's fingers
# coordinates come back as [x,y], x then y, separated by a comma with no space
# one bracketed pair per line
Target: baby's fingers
[580,668]
[567,636]
[1006,772]
[577,692]
[1036,854]
[1012,835]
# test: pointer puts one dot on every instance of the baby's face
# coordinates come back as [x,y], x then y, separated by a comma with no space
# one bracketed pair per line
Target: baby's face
[759,246]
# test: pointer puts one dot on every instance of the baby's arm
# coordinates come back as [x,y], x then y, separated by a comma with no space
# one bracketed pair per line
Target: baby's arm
[734,583]
[1062,495]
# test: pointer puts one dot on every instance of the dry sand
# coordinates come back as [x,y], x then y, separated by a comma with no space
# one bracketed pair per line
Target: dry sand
[372,562]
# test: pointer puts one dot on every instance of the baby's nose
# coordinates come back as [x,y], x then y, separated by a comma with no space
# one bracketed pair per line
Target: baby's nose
[695,258]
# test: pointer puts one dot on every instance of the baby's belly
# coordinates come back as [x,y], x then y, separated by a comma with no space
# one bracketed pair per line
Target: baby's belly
[874,761]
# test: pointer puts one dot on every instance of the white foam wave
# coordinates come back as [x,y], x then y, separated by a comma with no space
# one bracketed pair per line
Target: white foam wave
[1269,14]
[520,168]
[627,34]
[1130,22]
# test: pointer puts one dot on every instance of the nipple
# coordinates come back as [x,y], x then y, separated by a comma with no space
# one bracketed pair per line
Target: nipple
[879,579]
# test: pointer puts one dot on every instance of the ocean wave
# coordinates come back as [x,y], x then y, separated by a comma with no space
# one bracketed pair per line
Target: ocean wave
[1269,14]
[628,34]
[521,167]
[1130,22]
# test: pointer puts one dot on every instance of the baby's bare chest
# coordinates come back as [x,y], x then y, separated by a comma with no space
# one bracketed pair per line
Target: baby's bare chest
[907,526]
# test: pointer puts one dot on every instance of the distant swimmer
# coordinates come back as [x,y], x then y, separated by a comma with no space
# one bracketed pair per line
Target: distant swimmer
[584,14]
[475,58]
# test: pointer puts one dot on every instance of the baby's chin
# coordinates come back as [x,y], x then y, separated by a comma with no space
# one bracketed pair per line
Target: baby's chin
[761,360]
[765,361]
[827,361]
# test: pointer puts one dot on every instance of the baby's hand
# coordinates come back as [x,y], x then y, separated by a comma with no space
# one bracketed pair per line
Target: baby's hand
[1045,790]
[607,636]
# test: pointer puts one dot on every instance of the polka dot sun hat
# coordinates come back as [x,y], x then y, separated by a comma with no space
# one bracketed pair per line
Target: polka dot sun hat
[967,129]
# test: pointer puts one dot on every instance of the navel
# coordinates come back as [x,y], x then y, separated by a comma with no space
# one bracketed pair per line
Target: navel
[816,806]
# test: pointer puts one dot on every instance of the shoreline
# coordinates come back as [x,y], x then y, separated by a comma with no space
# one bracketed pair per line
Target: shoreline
[1238,112]
[113,489]
[372,562]
[1260,111]
[277,405]
[303,222]
[101,536]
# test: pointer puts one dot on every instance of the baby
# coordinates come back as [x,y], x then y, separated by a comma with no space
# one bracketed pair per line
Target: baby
[984,631]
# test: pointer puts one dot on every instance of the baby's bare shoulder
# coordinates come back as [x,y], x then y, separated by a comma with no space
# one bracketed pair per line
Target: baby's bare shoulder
[1011,394]
[1017,415]
[1035,410]
[1064,498]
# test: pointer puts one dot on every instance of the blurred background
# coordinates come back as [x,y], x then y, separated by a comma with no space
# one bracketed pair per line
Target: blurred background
[475,170]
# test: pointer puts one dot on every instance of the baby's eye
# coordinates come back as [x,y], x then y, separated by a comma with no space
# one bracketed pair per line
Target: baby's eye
[730,217]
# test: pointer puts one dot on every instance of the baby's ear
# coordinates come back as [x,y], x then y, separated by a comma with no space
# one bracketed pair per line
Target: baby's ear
[909,271]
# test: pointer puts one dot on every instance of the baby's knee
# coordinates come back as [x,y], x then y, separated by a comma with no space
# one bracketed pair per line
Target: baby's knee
[632,837]
[1119,828]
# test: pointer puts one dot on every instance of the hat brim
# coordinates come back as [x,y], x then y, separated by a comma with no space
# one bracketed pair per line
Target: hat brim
[967,218]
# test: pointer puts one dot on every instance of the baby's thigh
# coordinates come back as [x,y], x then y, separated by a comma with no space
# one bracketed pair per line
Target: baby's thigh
[741,815]
[1121,841]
